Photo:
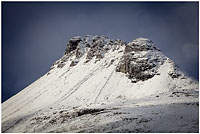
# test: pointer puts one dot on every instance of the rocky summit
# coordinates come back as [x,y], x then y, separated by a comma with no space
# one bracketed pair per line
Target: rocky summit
[107,85]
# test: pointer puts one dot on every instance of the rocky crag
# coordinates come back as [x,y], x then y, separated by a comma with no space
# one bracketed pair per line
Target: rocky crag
[107,85]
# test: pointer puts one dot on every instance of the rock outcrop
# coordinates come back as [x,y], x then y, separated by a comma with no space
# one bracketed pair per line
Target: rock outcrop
[141,60]
[93,46]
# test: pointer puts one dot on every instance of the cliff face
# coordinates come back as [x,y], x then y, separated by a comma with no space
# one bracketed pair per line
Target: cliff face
[140,60]
[106,85]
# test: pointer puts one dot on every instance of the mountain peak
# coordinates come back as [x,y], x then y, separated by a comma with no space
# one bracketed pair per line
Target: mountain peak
[106,85]
[143,44]
[140,59]
[88,41]
[101,41]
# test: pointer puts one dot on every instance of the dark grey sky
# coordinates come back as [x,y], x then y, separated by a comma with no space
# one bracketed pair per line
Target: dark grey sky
[34,35]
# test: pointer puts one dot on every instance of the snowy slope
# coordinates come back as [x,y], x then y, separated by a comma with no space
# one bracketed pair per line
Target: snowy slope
[105,85]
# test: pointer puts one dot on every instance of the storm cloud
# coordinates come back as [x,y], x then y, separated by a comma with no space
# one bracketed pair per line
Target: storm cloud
[34,34]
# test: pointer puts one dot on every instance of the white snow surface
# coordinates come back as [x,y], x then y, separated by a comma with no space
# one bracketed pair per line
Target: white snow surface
[53,103]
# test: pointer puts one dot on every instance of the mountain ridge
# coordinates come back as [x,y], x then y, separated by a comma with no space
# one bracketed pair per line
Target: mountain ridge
[101,78]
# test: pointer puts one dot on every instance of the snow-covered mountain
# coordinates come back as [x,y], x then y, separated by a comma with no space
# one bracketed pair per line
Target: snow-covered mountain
[105,85]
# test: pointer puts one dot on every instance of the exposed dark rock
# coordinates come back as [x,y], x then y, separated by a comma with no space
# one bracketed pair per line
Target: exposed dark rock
[73,63]
[99,56]
[93,46]
[137,65]
[174,73]
[61,65]
[72,45]
[89,111]
[179,93]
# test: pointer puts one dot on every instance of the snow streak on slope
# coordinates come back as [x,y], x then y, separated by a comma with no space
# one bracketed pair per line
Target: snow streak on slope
[115,86]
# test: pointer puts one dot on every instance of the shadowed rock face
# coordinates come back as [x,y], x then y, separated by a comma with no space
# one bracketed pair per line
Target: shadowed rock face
[175,72]
[141,60]
[72,45]
[93,46]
